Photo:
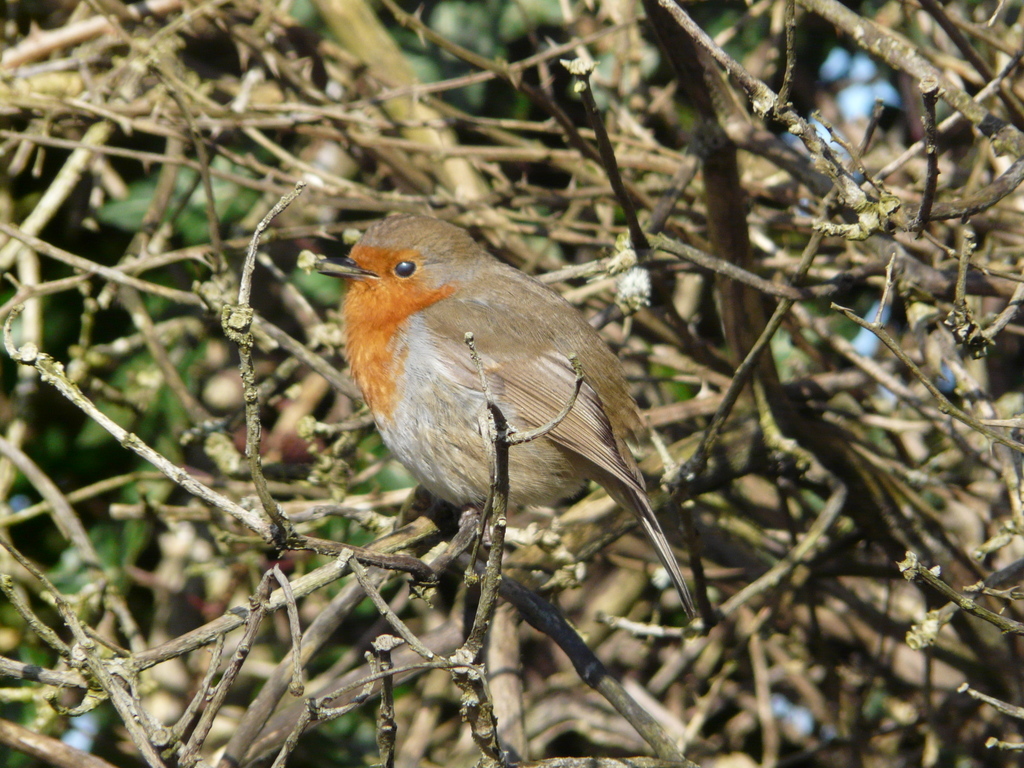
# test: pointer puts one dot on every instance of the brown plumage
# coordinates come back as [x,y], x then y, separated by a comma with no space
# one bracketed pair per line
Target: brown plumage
[418,286]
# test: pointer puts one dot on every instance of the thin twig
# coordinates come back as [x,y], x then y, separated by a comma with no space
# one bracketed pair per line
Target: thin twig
[53,372]
[237,323]
[911,569]
[930,95]
[944,405]
[581,70]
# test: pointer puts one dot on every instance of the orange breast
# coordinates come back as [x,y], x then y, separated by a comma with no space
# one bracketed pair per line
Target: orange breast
[376,314]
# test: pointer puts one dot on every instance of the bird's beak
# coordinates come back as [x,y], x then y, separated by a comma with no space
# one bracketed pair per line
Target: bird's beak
[343,266]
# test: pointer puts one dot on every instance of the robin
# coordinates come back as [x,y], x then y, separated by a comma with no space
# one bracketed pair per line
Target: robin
[418,285]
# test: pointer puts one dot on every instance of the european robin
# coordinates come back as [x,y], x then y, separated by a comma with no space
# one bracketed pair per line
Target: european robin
[418,285]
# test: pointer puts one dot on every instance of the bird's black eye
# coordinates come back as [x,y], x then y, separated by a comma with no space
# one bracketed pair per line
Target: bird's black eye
[405,268]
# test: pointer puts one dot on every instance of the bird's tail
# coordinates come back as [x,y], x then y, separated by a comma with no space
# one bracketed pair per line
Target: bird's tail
[637,501]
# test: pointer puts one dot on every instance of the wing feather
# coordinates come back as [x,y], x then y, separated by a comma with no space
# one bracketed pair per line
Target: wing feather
[532,387]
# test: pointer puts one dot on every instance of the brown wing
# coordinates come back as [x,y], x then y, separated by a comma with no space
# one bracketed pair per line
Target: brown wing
[532,386]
